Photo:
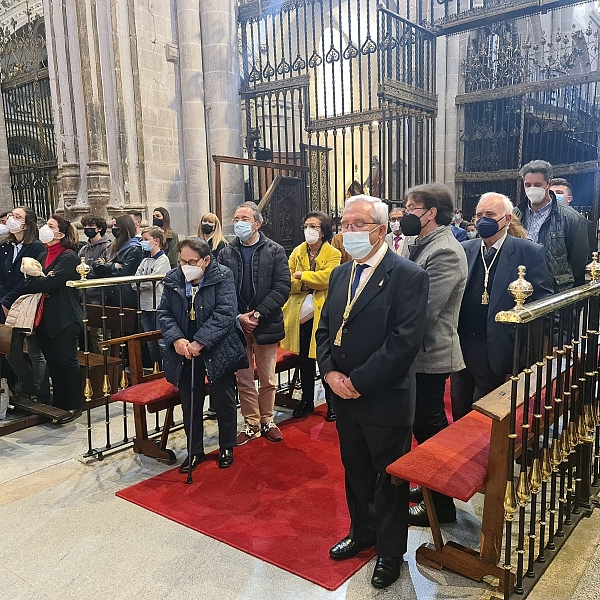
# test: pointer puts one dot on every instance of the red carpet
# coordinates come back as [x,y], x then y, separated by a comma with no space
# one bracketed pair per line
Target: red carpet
[283,503]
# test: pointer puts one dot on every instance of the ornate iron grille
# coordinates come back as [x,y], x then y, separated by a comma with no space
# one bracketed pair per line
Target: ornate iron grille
[345,87]
[28,117]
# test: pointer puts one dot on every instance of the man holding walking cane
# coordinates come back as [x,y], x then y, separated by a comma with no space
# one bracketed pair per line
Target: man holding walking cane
[198,319]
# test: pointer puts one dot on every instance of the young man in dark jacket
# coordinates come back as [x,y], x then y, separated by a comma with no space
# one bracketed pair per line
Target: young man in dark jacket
[262,281]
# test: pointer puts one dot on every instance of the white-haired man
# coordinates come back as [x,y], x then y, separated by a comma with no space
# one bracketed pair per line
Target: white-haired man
[370,332]
[493,262]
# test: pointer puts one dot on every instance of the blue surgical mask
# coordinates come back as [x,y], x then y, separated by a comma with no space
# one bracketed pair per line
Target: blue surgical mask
[243,230]
[471,235]
[487,227]
[146,245]
[357,243]
[560,198]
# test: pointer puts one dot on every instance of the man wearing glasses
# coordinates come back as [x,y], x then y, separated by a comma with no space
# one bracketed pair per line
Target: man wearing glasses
[370,332]
[262,280]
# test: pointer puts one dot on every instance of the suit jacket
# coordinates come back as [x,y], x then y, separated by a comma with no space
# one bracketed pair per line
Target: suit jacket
[402,250]
[380,339]
[441,255]
[515,252]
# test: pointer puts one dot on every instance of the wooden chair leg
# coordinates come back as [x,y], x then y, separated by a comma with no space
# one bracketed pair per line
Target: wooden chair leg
[166,428]
[438,541]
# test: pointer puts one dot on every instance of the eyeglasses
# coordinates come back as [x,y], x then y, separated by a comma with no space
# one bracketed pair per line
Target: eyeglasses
[191,263]
[243,219]
[357,226]
[410,211]
[308,226]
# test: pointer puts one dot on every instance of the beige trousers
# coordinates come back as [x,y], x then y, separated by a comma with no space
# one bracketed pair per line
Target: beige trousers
[257,407]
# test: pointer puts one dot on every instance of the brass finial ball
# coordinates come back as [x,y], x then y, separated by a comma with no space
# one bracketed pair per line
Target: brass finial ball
[520,289]
[83,269]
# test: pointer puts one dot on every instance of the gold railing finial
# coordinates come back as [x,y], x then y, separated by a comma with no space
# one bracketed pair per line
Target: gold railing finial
[83,269]
[593,269]
[520,289]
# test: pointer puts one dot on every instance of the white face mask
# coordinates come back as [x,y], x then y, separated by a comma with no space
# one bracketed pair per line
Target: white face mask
[3,229]
[46,234]
[192,273]
[395,226]
[311,236]
[13,225]
[536,195]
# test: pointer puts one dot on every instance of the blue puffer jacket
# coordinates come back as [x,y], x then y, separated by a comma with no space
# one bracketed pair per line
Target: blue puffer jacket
[216,318]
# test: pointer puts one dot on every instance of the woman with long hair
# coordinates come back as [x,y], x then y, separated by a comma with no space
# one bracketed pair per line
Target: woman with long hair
[162,219]
[22,241]
[310,264]
[58,333]
[209,230]
[125,256]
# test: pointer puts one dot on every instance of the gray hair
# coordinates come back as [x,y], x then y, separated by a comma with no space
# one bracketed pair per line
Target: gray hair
[508,205]
[255,210]
[379,209]
[537,166]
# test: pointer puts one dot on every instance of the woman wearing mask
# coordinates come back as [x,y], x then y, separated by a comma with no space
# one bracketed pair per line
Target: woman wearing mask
[310,264]
[125,258]
[162,219]
[61,323]
[198,318]
[22,240]
[209,230]
[155,263]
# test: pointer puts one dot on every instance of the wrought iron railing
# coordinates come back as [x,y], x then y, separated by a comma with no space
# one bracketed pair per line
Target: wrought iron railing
[549,480]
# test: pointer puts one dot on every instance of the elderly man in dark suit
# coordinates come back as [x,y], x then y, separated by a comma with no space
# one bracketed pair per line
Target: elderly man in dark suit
[370,332]
[493,263]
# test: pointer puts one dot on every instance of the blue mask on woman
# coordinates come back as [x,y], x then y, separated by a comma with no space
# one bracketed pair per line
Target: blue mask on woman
[243,230]
[487,227]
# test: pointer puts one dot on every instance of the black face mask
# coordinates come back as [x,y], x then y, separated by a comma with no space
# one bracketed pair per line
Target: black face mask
[157,222]
[410,225]
[115,231]
[89,232]
[207,228]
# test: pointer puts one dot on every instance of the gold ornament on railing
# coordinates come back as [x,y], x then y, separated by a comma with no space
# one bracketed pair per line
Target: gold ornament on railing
[555,455]
[565,445]
[546,465]
[510,501]
[520,289]
[83,269]
[88,392]
[593,269]
[523,489]
[535,476]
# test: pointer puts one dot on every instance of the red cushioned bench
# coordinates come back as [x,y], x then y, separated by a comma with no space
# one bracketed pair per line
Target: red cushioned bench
[468,456]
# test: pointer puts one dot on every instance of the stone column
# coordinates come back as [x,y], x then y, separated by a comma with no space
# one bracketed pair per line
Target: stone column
[193,125]
[221,68]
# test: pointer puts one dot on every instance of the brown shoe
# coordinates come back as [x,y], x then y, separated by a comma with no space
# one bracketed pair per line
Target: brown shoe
[250,432]
[271,431]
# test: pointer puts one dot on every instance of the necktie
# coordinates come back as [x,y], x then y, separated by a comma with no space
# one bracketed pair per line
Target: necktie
[357,274]
[397,241]
[489,254]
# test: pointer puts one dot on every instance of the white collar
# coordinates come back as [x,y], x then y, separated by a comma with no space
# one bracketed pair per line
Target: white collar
[377,256]
[497,244]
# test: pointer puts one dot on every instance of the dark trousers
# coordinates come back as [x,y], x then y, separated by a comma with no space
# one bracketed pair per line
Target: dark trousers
[31,370]
[474,382]
[430,413]
[61,356]
[223,400]
[308,366]
[378,510]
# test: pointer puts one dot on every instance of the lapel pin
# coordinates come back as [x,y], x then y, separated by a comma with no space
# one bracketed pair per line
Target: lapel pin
[381,283]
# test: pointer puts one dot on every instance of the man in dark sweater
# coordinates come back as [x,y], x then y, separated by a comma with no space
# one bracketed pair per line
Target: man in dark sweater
[493,263]
[262,280]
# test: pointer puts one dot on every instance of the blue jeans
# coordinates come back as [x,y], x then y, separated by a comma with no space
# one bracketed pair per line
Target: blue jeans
[156,349]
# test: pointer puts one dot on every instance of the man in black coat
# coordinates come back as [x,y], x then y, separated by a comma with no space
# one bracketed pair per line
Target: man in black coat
[263,283]
[488,346]
[370,332]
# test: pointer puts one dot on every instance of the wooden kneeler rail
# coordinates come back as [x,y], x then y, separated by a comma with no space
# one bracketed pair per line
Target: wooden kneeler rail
[468,456]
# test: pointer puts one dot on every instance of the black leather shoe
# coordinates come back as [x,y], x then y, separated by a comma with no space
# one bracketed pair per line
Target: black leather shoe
[415,494]
[417,515]
[225,458]
[347,548]
[386,571]
[303,409]
[73,414]
[196,460]
[330,416]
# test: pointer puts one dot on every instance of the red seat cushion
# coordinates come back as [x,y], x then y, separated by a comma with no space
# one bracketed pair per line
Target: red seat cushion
[453,462]
[147,393]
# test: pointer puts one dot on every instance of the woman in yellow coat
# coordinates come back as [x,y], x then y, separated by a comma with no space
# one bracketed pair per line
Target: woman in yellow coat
[311,264]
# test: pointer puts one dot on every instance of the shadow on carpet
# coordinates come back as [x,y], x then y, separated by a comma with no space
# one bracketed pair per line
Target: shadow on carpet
[283,503]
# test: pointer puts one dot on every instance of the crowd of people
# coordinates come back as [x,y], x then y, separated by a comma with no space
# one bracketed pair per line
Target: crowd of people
[390,309]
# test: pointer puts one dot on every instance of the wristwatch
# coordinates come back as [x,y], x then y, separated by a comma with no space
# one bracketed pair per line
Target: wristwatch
[256,314]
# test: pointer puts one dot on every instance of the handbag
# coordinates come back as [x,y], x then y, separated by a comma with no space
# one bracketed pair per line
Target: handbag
[39,312]
[23,312]
[307,310]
